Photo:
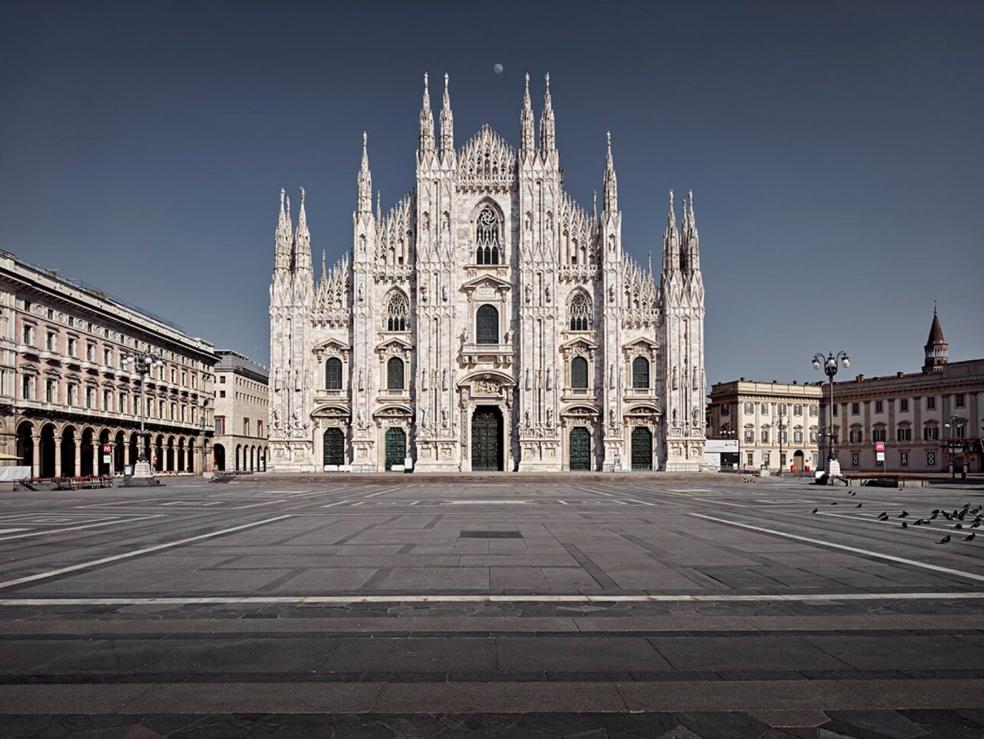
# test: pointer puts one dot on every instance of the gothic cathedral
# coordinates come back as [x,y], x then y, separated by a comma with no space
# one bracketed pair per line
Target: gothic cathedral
[487,322]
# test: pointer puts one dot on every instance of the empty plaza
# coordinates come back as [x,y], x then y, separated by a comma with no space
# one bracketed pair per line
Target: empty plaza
[634,603]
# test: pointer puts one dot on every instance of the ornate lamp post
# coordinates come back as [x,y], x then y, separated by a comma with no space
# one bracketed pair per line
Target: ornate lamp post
[830,365]
[780,428]
[951,424]
[142,363]
[203,422]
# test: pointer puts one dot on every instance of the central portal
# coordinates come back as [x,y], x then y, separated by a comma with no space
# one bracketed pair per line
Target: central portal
[486,439]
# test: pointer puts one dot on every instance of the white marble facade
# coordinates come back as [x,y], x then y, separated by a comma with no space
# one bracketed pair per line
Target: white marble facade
[487,322]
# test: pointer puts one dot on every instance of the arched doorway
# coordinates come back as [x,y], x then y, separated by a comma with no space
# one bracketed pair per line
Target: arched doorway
[119,453]
[46,467]
[396,447]
[486,439]
[181,455]
[579,448]
[170,454]
[239,451]
[105,468]
[219,462]
[252,459]
[134,447]
[68,452]
[190,458]
[642,448]
[334,447]
[159,455]
[798,463]
[25,445]
[86,449]
[264,459]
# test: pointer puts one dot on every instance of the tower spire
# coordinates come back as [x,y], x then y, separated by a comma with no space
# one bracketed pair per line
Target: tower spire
[302,242]
[447,123]
[937,348]
[548,136]
[610,189]
[671,242]
[690,240]
[526,135]
[425,147]
[365,179]
[282,251]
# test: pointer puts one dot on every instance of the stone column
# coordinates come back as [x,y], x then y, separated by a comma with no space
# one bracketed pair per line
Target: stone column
[96,449]
[78,458]
[36,456]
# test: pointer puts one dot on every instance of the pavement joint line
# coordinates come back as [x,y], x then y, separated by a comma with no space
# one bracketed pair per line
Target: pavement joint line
[486,598]
[383,492]
[844,547]
[85,526]
[136,553]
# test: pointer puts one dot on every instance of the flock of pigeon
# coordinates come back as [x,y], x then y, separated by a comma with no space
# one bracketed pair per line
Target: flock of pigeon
[959,519]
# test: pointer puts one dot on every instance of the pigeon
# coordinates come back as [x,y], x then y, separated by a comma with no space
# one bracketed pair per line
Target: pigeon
[814,510]
[852,493]
[859,505]
[962,514]
[917,522]
[904,513]
[944,540]
[975,525]
[883,516]
[905,524]
[946,515]
[935,514]
[971,537]
[834,503]
[958,526]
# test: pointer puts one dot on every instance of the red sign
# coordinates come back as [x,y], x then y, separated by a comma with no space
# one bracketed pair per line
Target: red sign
[107,448]
[879,446]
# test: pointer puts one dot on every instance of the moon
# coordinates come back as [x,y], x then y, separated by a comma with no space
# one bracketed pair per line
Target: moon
[497,68]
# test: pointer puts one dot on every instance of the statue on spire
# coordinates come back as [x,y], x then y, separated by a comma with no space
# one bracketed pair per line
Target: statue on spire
[364,195]
[425,149]
[610,189]
[526,134]
[447,123]
[548,135]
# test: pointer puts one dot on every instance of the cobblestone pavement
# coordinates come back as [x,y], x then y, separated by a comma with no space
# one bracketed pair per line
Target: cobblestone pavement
[704,608]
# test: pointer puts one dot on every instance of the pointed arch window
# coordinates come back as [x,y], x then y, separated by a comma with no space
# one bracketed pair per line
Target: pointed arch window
[397,312]
[640,373]
[488,241]
[580,312]
[579,373]
[394,374]
[333,374]
[487,325]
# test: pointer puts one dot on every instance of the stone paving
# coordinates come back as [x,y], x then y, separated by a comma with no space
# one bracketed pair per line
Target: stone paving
[621,607]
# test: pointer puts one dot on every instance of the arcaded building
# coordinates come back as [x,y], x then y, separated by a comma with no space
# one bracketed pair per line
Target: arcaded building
[71,405]
[487,321]
[242,407]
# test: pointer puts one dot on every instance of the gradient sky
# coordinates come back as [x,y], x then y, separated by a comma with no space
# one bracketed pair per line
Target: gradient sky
[835,149]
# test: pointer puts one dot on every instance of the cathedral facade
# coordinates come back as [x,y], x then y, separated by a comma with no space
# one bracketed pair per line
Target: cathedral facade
[487,322]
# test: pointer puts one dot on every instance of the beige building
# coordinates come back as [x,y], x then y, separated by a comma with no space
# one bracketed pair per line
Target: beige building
[916,415]
[71,406]
[242,405]
[757,413]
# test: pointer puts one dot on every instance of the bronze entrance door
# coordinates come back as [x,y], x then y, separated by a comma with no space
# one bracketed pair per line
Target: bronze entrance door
[396,447]
[334,447]
[642,448]
[486,439]
[580,448]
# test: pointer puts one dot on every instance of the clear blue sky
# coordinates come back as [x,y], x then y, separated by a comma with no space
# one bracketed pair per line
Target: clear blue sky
[835,149]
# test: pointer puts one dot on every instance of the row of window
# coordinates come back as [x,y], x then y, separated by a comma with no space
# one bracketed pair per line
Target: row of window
[959,401]
[764,408]
[903,432]
[764,436]
[220,426]
[395,374]
[51,344]
[89,396]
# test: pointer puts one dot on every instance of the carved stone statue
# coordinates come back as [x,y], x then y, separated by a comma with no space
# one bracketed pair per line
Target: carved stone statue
[549,379]
[674,377]
[444,379]
[423,418]
[444,417]
[549,417]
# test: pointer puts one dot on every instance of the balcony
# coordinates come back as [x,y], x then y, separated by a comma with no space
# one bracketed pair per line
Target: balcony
[500,355]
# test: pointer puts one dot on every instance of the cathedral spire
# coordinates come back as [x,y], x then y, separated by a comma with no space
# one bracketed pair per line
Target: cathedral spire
[447,124]
[690,241]
[364,198]
[302,242]
[610,189]
[282,251]
[379,206]
[526,134]
[671,242]
[548,136]
[425,148]
[594,204]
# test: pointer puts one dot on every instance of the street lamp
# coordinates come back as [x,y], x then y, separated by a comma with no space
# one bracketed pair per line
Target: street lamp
[203,422]
[142,363]
[951,423]
[830,365]
[781,427]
